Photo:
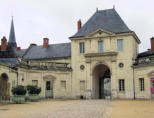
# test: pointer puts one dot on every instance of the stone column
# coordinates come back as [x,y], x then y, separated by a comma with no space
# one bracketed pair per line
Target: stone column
[113,80]
[88,80]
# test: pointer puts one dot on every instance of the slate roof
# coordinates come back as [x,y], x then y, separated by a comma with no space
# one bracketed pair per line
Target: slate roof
[62,50]
[9,61]
[145,54]
[105,19]
[21,52]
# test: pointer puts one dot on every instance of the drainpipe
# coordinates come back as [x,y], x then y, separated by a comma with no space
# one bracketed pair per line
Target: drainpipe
[17,77]
[134,83]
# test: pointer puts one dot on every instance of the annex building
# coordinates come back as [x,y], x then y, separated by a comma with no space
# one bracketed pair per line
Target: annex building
[101,61]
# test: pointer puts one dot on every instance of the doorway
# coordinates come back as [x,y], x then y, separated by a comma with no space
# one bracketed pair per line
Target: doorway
[4,87]
[101,82]
[49,89]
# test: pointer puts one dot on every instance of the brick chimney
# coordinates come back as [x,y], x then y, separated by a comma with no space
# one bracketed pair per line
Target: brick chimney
[3,44]
[18,48]
[79,25]
[152,44]
[45,42]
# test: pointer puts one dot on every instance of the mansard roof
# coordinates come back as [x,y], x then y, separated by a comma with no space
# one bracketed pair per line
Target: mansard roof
[53,51]
[103,19]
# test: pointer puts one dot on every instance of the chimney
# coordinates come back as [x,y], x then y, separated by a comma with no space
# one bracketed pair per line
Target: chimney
[33,44]
[45,42]
[18,48]
[152,44]
[3,44]
[79,25]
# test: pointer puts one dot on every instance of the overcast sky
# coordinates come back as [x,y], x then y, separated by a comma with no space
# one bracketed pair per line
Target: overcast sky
[57,19]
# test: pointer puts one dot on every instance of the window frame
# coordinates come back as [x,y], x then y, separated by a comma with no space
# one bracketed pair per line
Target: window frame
[63,85]
[82,82]
[141,84]
[120,46]
[82,47]
[35,82]
[100,49]
[121,85]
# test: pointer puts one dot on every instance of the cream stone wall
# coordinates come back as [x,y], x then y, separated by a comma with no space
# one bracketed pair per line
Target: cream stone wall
[146,72]
[110,45]
[12,76]
[39,75]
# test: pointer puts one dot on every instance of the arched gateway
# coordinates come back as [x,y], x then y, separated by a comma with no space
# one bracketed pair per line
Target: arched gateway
[101,83]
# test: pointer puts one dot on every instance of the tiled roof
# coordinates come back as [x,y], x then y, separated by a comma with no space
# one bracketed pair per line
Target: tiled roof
[103,19]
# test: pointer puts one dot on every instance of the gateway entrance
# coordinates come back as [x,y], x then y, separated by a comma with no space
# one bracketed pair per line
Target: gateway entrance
[101,82]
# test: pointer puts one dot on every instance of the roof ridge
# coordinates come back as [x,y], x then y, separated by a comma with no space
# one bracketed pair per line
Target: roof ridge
[56,44]
[105,10]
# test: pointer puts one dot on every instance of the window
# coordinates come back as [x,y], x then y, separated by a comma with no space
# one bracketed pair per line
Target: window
[82,86]
[35,82]
[63,85]
[48,85]
[121,85]
[100,46]
[13,83]
[141,81]
[82,47]
[120,44]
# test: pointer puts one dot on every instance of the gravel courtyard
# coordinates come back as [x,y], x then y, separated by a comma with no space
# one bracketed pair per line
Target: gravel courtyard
[58,109]
[80,109]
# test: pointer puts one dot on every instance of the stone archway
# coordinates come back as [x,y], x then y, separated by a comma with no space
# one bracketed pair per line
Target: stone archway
[4,87]
[101,82]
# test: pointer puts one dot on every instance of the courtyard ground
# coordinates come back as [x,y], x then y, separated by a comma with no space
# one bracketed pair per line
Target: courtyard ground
[80,109]
[133,109]
[58,109]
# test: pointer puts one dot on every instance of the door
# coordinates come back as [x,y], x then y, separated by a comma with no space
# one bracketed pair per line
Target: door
[101,88]
[104,88]
[107,86]
[49,90]
[4,90]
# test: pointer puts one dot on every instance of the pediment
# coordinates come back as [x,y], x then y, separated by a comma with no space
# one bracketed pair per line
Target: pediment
[49,77]
[100,33]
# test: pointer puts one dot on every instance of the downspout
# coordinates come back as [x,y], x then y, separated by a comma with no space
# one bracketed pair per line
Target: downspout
[134,84]
[17,77]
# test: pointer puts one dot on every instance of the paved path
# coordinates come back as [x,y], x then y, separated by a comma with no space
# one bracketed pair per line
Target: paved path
[59,109]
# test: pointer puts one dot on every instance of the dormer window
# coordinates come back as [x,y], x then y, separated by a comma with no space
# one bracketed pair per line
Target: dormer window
[100,46]
[82,47]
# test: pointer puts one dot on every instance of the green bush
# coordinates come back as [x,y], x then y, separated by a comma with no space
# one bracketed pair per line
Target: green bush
[33,89]
[19,90]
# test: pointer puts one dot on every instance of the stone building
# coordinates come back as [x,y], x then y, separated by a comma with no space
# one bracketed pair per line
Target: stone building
[101,61]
